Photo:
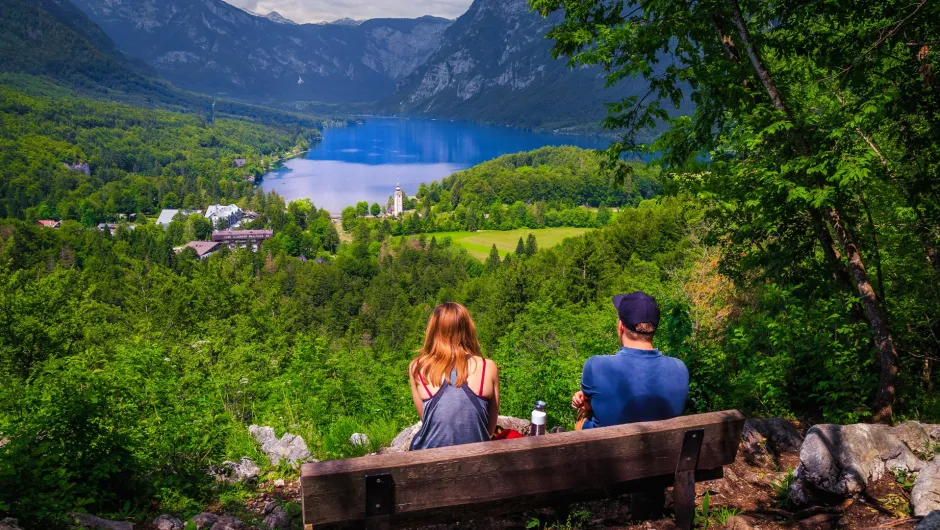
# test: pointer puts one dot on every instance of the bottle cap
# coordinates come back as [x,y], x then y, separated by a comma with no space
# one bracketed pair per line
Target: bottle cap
[540,405]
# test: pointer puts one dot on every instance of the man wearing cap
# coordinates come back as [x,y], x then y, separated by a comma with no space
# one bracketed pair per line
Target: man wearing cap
[637,383]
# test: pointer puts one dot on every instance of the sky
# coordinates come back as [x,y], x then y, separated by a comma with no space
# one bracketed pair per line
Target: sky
[328,10]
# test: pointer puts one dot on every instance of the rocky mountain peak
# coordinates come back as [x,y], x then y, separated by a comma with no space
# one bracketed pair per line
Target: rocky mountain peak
[277,18]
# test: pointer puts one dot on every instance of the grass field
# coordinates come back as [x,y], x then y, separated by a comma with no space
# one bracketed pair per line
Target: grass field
[478,244]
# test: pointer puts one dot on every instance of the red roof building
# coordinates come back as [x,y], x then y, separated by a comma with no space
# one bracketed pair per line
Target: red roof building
[48,223]
[242,238]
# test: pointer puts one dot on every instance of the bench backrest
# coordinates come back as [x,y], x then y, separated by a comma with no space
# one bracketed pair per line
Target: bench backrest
[425,482]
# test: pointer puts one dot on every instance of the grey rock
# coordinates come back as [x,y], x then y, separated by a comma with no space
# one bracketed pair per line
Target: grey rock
[9,523]
[90,521]
[402,442]
[279,483]
[276,520]
[775,435]
[244,471]
[359,439]
[167,522]
[289,447]
[268,507]
[930,522]
[925,497]
[844,459]
[227,522]
[204,520]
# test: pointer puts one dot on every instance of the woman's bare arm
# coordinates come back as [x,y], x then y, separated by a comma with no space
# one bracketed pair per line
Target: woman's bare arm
[493,375]
[415,393]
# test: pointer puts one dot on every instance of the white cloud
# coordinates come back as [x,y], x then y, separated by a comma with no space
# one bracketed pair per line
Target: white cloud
[328,10]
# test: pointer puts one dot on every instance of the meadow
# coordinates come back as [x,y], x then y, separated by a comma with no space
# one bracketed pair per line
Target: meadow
[479,243]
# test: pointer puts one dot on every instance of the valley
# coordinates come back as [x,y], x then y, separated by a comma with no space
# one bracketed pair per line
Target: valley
[223,234]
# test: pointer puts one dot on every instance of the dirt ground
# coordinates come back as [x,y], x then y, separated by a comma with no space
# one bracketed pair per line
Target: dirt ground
[751,495]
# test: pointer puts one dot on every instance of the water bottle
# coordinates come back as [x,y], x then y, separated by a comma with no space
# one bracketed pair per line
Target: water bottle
[538,420]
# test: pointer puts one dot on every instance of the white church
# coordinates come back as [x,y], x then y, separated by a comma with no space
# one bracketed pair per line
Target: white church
[398,208]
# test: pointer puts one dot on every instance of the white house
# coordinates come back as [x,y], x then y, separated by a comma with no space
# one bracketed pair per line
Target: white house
[231,214]
[167,215]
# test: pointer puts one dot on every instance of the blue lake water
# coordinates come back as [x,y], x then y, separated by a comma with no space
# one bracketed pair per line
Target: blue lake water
[364,163]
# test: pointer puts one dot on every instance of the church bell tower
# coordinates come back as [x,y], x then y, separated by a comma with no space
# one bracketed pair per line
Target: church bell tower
[399,201]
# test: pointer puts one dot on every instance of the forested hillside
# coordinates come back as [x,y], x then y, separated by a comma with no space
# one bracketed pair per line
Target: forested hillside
[139,160]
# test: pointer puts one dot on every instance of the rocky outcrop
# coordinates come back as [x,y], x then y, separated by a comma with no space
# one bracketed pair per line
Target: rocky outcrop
[842,460]
[925,497]
[167,522]
[244,471]
[227,522]
[275,517]
[289,448]
[90,521]
[359,439]
[204,520]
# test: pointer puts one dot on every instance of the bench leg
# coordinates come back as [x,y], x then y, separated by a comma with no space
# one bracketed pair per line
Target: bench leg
[683,489]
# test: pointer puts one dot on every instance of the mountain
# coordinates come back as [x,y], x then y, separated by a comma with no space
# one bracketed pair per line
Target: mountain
[49,47]
[216,48]
[494,64]
[276,17]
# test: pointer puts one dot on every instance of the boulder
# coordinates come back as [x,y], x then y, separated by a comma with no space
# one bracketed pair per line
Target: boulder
[227,522]
[842,460]
[925,497]
[167,522]
[765,436]
[289,447]
[9,523]
[359,439]
[402,442]
[244,471]
[277,519]
[204,520]
[90,521]
[930,522]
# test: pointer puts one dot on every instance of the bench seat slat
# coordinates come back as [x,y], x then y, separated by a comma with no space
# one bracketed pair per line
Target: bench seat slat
[491,472]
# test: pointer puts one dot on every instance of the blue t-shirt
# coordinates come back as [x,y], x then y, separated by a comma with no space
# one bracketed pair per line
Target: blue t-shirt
[633,386]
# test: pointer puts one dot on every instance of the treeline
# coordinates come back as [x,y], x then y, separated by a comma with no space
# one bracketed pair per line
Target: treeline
[140,160]
[548,187]
[127,369]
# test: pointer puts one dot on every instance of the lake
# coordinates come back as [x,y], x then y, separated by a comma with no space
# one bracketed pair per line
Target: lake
[365,162]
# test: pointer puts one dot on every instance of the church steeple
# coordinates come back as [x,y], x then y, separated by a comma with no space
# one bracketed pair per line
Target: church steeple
[399,200]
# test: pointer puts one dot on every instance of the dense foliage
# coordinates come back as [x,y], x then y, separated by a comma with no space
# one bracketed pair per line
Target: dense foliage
[548,187]
[816,142]
[140,160]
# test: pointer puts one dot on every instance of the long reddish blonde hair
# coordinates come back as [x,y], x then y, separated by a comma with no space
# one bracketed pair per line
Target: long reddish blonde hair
[450,341]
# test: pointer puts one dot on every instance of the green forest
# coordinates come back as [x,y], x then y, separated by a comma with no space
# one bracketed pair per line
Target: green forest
[789,228]
[548,187]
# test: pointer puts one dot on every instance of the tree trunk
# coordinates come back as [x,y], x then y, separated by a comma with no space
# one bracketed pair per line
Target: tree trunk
[882,410]
[888,355]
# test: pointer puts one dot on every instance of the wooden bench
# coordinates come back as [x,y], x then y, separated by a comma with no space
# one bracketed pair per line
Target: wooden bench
[461,482]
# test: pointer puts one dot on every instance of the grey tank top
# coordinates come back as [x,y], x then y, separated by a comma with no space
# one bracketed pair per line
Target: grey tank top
[453,416]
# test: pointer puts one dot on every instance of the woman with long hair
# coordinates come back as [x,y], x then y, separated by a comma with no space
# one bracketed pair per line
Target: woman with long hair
[455,390]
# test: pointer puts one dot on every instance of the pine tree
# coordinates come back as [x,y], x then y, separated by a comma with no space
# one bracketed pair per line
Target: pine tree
[493,262]
[520,248]
[531,247]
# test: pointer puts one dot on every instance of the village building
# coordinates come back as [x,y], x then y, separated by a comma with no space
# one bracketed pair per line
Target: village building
[166,216]
[251,239]
[48,223]
[398,203]
[203,249]
[239,162]
[229,215]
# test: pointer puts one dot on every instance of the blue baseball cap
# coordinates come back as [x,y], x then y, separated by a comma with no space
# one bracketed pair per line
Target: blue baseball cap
[637,308]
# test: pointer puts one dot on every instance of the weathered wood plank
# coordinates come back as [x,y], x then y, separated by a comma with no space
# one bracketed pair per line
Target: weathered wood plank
[490,472]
